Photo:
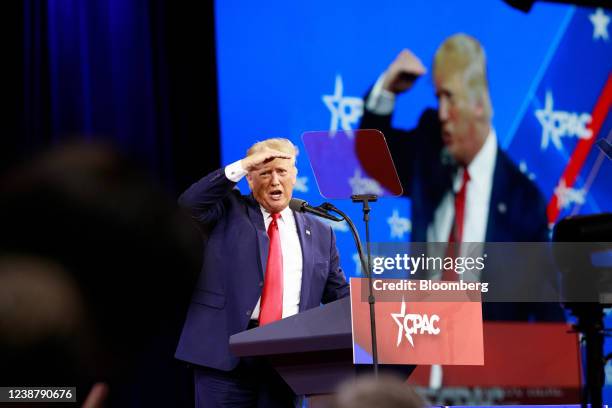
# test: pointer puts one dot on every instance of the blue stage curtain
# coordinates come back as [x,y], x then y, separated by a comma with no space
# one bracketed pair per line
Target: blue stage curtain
[97,70]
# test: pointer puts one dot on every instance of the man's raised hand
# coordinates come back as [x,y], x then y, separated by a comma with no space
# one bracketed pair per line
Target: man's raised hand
[403,72]
[262,157]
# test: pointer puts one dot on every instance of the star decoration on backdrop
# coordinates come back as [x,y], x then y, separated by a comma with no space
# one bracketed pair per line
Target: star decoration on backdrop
[399,225]
[364,185]
[600,21]
[557,124]
[345,110]
[567,195]
[546,118]
[301,184]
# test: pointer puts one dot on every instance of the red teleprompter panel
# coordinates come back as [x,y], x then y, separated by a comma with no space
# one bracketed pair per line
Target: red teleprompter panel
[420,329]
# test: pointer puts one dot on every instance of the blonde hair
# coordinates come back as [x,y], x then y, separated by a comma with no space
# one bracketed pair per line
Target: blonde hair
[276,143]
[462,54]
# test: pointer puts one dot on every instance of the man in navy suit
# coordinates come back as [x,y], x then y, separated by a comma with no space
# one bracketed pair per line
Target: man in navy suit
[262,262]
[463,187]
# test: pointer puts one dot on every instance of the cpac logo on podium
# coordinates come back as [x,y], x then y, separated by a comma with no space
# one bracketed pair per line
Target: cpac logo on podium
[410,323]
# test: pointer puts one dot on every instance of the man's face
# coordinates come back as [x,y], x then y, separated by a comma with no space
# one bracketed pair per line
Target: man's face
[458,116]
[272,184]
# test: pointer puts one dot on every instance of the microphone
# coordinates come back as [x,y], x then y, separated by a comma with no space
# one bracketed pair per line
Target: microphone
[302,206]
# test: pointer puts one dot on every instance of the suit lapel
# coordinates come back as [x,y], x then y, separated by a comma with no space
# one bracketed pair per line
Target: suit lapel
[305,234]
[498,204]
[263,242]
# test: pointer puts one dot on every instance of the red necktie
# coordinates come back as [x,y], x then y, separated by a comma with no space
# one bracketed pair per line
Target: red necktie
[456,234]
[272,296]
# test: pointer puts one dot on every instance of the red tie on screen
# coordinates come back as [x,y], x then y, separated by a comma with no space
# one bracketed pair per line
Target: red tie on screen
[456,234]
[272,296]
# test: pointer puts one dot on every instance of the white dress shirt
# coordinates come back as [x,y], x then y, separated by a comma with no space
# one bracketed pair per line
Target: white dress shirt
[290,247]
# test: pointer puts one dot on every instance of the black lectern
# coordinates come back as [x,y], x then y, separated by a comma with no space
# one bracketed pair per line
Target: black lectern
[312,350]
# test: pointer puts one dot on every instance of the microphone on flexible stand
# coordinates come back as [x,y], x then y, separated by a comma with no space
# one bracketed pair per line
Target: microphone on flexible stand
[322,211]
[302,206]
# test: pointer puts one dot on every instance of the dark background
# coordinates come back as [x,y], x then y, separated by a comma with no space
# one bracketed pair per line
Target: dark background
[138,75]
[180,125]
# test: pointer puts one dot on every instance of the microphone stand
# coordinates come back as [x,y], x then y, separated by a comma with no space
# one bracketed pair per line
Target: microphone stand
[365,199]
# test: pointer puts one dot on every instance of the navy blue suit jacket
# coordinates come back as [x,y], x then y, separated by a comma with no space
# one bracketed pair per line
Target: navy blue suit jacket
[517,211]
[235,254]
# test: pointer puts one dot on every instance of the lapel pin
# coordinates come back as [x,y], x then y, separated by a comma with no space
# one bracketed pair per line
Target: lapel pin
[501,207]
[307,232]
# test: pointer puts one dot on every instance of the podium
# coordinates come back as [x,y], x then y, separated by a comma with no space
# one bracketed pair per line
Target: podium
[524,362]
[312,351]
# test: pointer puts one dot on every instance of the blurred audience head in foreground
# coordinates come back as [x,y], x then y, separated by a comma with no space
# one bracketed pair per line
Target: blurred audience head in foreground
[96,266]
[384,392]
